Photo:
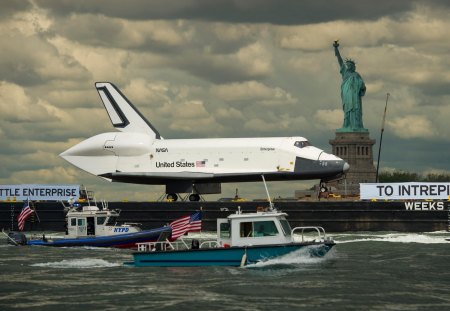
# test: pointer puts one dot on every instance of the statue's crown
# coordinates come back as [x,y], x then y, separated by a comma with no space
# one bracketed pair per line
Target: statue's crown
[349,60]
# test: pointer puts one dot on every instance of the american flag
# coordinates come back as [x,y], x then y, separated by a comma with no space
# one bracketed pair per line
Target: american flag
[24,214]
[200,163]
[186,224]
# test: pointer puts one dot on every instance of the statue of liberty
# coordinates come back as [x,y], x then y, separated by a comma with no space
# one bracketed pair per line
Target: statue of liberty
[352,89]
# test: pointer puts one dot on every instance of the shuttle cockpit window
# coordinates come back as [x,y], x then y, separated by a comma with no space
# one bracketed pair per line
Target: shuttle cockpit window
[302,144]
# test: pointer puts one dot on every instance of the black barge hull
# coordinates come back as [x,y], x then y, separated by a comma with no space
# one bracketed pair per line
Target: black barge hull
[334,216]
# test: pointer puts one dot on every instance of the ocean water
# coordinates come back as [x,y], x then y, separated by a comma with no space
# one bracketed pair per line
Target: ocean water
[365,271]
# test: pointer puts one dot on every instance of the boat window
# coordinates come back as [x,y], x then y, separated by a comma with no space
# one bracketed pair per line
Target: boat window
[246,229]
[301,144]
[286,227]
[101,220]
[258,228]
[264,228]
[112,221]
[225,230]
[81,221]
[73,222]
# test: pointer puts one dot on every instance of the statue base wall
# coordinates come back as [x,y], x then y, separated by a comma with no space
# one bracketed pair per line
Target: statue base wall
[356,148]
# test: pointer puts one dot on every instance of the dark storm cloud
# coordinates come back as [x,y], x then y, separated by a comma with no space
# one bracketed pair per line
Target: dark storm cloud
[11,7]
[162,37]
[208,69]
[16,63]
[90,30]
[100,31]
[23,67]
[418,158]
[435,88]
[287,12]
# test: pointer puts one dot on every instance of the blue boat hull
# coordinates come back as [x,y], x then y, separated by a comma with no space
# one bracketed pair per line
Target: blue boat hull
[126,240]
[232,256]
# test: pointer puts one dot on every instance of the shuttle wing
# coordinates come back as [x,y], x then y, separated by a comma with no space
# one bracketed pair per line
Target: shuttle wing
[152,178]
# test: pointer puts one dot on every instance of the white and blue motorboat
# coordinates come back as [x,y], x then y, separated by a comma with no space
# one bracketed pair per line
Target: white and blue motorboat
[242,239]
[93,226]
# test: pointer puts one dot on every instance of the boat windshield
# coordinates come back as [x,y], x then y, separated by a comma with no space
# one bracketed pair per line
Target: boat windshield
[258,229]
[286,227]
[101,220]
[111,221]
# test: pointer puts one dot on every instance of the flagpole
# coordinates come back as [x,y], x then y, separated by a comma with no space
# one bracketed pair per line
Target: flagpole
[35,211]
[12,217]
[381,135]
[9,238]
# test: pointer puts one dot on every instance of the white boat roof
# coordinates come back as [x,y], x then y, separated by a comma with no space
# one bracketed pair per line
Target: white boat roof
[257,215]
[91,210]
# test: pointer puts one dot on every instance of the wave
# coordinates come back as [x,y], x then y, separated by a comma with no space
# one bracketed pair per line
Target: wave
[85,263]
[304,256]
[400,238]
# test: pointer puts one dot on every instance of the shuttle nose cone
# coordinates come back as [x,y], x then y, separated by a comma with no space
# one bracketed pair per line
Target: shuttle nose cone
[346,167]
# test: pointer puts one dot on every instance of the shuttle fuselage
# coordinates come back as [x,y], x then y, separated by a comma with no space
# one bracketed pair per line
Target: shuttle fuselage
[138,154]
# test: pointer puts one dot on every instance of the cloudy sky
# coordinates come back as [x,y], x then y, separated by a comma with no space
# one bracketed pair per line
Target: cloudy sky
[203,68]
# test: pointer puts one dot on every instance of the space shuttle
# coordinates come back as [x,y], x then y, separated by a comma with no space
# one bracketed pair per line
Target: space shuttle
[137,153]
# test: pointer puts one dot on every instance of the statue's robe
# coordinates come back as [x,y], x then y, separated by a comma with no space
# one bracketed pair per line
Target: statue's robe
[352,89]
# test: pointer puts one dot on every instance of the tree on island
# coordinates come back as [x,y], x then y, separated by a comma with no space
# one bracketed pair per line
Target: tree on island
[404,176]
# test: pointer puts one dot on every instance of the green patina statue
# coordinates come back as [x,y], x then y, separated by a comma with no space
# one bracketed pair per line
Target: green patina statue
[352,89]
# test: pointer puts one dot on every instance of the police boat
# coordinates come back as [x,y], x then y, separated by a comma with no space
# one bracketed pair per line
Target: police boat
[94,226]
[242,239]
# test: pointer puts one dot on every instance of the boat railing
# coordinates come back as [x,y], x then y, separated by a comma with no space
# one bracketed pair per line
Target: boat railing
[161,246]
[104,205]
[209,244]
[321,235]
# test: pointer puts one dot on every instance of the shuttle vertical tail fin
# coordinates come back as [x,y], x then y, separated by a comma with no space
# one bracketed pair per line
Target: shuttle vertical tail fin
[124,116]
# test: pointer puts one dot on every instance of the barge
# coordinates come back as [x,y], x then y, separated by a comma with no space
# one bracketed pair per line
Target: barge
[336,216]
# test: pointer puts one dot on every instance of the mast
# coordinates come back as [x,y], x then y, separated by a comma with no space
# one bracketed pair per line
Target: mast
[381,135]
[267,191]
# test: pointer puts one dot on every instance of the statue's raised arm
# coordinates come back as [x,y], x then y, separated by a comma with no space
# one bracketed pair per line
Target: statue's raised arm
[338,55]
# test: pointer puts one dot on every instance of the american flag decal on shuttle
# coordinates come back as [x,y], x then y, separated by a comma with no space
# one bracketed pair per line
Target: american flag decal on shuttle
[200,164]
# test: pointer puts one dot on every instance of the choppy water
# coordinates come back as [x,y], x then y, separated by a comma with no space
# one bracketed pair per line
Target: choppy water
[365,271]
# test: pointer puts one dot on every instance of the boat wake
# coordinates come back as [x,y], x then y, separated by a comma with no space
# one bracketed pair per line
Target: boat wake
[397,238]
[85,263]
[310,255]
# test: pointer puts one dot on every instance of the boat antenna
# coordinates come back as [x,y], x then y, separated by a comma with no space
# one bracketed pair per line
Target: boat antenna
[267,192]
[381,136]
[87,196]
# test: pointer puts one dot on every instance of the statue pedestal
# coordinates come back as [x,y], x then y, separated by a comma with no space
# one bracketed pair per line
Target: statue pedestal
[356,149]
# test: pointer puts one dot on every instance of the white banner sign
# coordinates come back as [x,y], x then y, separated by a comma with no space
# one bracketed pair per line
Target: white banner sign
[39,192]
[410,190]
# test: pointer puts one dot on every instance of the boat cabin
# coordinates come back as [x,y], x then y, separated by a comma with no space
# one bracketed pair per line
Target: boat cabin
[91,221]
[260,228]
